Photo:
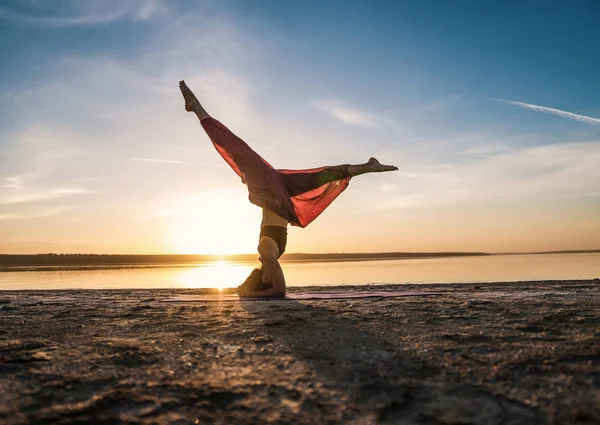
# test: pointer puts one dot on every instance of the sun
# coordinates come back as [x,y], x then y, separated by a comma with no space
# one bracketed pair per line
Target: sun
[219,275]
[216,222]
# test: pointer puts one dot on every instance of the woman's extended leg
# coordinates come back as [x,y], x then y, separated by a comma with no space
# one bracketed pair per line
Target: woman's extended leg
[265,185]
[299,182]
[372,166]
[244,161]
[339,172]
[191,102]
[312,191]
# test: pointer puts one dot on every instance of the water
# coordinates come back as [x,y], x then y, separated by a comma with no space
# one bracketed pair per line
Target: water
[497,268]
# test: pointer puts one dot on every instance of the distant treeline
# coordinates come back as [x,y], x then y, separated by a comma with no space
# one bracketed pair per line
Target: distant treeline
[51,259]
[573,251]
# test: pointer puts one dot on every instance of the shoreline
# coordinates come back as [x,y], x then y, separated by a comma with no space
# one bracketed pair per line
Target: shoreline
[327,288]
[490,353]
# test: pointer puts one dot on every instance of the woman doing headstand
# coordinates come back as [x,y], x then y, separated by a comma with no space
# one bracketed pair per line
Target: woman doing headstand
[296,197]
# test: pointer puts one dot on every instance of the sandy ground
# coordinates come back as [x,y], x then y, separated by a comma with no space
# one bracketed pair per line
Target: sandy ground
[517,353]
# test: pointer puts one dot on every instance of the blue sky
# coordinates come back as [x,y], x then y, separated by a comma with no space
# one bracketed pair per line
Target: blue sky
[489,110]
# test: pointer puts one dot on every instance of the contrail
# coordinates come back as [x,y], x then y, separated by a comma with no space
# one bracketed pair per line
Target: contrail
[167,161]
[564,114]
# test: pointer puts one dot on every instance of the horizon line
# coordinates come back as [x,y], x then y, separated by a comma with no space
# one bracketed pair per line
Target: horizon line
[310,253]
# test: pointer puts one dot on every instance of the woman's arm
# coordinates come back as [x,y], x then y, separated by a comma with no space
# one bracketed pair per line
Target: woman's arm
[268,250]
[269,253]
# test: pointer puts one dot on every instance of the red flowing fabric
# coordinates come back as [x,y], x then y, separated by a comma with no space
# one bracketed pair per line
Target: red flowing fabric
[296,195]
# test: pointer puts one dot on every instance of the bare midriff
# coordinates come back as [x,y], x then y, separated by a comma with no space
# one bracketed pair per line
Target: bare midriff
[269,218]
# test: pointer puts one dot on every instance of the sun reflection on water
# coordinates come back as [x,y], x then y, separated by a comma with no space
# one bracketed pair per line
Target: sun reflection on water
[219,275]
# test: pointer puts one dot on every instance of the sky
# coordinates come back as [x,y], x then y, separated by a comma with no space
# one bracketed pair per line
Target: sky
[490,110]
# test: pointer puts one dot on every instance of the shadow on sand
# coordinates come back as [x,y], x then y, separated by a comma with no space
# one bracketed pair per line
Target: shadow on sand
[372,377]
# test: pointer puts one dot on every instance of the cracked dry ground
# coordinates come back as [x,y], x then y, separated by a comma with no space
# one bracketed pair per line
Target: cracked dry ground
[518,353]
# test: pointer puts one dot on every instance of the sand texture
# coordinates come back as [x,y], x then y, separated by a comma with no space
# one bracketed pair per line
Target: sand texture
[515,353]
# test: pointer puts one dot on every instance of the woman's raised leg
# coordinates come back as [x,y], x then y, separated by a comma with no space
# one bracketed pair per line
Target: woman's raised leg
[371,166]
[191,102]
[299,182]
[265,185]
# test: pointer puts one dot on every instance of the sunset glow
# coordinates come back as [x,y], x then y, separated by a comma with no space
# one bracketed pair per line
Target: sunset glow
[219,275]
[209,223]
[498,149]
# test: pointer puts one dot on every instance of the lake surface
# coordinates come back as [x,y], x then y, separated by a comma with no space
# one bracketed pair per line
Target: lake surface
[495,268]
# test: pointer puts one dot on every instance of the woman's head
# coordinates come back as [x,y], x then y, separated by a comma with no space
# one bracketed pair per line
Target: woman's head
[257,280]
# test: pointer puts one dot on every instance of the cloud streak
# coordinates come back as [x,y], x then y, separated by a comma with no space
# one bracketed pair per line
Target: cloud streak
[44,195]
[34,215]
[352,116]
[559,171]
[87,13]
[168,161]
[16,182]
[564,114]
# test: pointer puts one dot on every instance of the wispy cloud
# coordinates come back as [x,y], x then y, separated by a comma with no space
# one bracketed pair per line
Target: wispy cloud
[559,171]
[353,116]
[85,13]
[43,195]
[387,187]
[88,180]
[35,214]
[16,182]
[161,214]
[564,114]
[484,150]
[168,161]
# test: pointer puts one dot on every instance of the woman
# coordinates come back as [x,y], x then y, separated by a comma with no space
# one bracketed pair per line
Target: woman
[296,197]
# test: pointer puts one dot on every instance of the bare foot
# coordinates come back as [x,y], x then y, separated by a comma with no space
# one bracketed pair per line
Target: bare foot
[377,167]
[191,102]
